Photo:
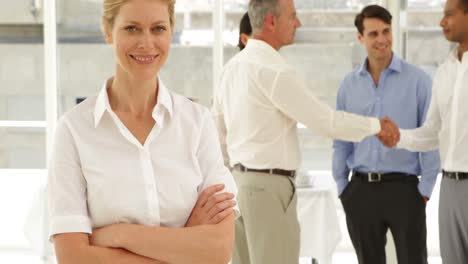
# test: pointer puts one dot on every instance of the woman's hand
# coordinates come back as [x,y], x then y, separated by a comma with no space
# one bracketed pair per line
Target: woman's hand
[106,236]
[211,208]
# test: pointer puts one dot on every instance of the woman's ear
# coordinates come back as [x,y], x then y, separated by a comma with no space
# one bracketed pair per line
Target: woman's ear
[108,37]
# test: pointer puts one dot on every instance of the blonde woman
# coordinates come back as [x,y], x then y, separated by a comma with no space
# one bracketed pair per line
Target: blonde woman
[137,173]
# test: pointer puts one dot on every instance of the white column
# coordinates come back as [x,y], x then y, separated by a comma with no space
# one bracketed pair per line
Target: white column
[399,24]
[50,67]
[404,29]
[218,44]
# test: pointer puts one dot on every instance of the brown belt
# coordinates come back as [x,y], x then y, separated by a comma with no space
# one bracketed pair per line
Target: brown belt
[289,173]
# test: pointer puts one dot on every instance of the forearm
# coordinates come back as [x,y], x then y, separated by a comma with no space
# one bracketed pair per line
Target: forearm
[419,139]
[290,95]
[304,107]
[200,244]
[101,255]
[75,249]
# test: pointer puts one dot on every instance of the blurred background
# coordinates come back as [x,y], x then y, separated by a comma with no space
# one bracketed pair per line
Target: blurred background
[206,35]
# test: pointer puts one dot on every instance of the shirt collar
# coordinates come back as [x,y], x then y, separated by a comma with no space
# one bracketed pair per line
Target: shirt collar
[102,104]
[395,65]
[262,45]
[454,55]
[164,104]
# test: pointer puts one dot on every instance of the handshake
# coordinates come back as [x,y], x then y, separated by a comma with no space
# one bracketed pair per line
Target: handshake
[389,133]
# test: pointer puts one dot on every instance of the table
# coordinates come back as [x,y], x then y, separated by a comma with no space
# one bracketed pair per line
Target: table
[320,229]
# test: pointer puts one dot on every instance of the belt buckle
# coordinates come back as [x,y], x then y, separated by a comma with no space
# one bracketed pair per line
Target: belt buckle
[372,179]
[456,176]
[270,171]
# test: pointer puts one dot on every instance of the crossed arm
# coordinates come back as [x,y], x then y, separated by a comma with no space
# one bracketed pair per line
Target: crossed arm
[208,237]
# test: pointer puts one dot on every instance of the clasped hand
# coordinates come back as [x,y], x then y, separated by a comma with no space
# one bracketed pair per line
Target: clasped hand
[389,133]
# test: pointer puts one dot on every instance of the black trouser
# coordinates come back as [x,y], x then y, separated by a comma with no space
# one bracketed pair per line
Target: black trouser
[374,207]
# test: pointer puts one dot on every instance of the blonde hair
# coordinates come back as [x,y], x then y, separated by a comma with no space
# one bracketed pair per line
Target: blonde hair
[110,9]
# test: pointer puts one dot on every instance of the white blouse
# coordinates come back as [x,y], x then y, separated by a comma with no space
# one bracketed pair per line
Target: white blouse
[100,174]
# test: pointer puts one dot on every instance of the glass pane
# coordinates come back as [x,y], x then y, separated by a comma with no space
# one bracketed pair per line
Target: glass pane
[333,4]
[21,67]
[427,46]
[22,148]
[21,73]
[308,4]
[425,4]
[21,85]
[84,59]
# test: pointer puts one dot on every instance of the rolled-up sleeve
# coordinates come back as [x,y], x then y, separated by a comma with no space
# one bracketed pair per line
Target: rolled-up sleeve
[67,203]
[210,160]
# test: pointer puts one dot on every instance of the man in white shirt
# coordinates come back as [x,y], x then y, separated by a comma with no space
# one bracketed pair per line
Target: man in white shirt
[256,108]
[446,128]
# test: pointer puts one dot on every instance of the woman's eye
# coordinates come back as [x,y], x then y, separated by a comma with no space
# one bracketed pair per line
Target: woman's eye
[159,29]
[130,29]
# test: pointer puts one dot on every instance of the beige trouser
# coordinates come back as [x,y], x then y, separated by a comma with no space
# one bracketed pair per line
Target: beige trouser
[267,232]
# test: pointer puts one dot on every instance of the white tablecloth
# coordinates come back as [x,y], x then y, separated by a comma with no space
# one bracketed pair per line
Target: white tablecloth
[320,229]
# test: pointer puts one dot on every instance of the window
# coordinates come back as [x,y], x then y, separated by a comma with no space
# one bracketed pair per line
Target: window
[22,114]
[22,121]
[426,46]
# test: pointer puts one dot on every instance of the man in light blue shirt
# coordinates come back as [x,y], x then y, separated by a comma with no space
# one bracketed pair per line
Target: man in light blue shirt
[384,192]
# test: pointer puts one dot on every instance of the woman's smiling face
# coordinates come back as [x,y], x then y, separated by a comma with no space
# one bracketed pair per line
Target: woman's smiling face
[141,36]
